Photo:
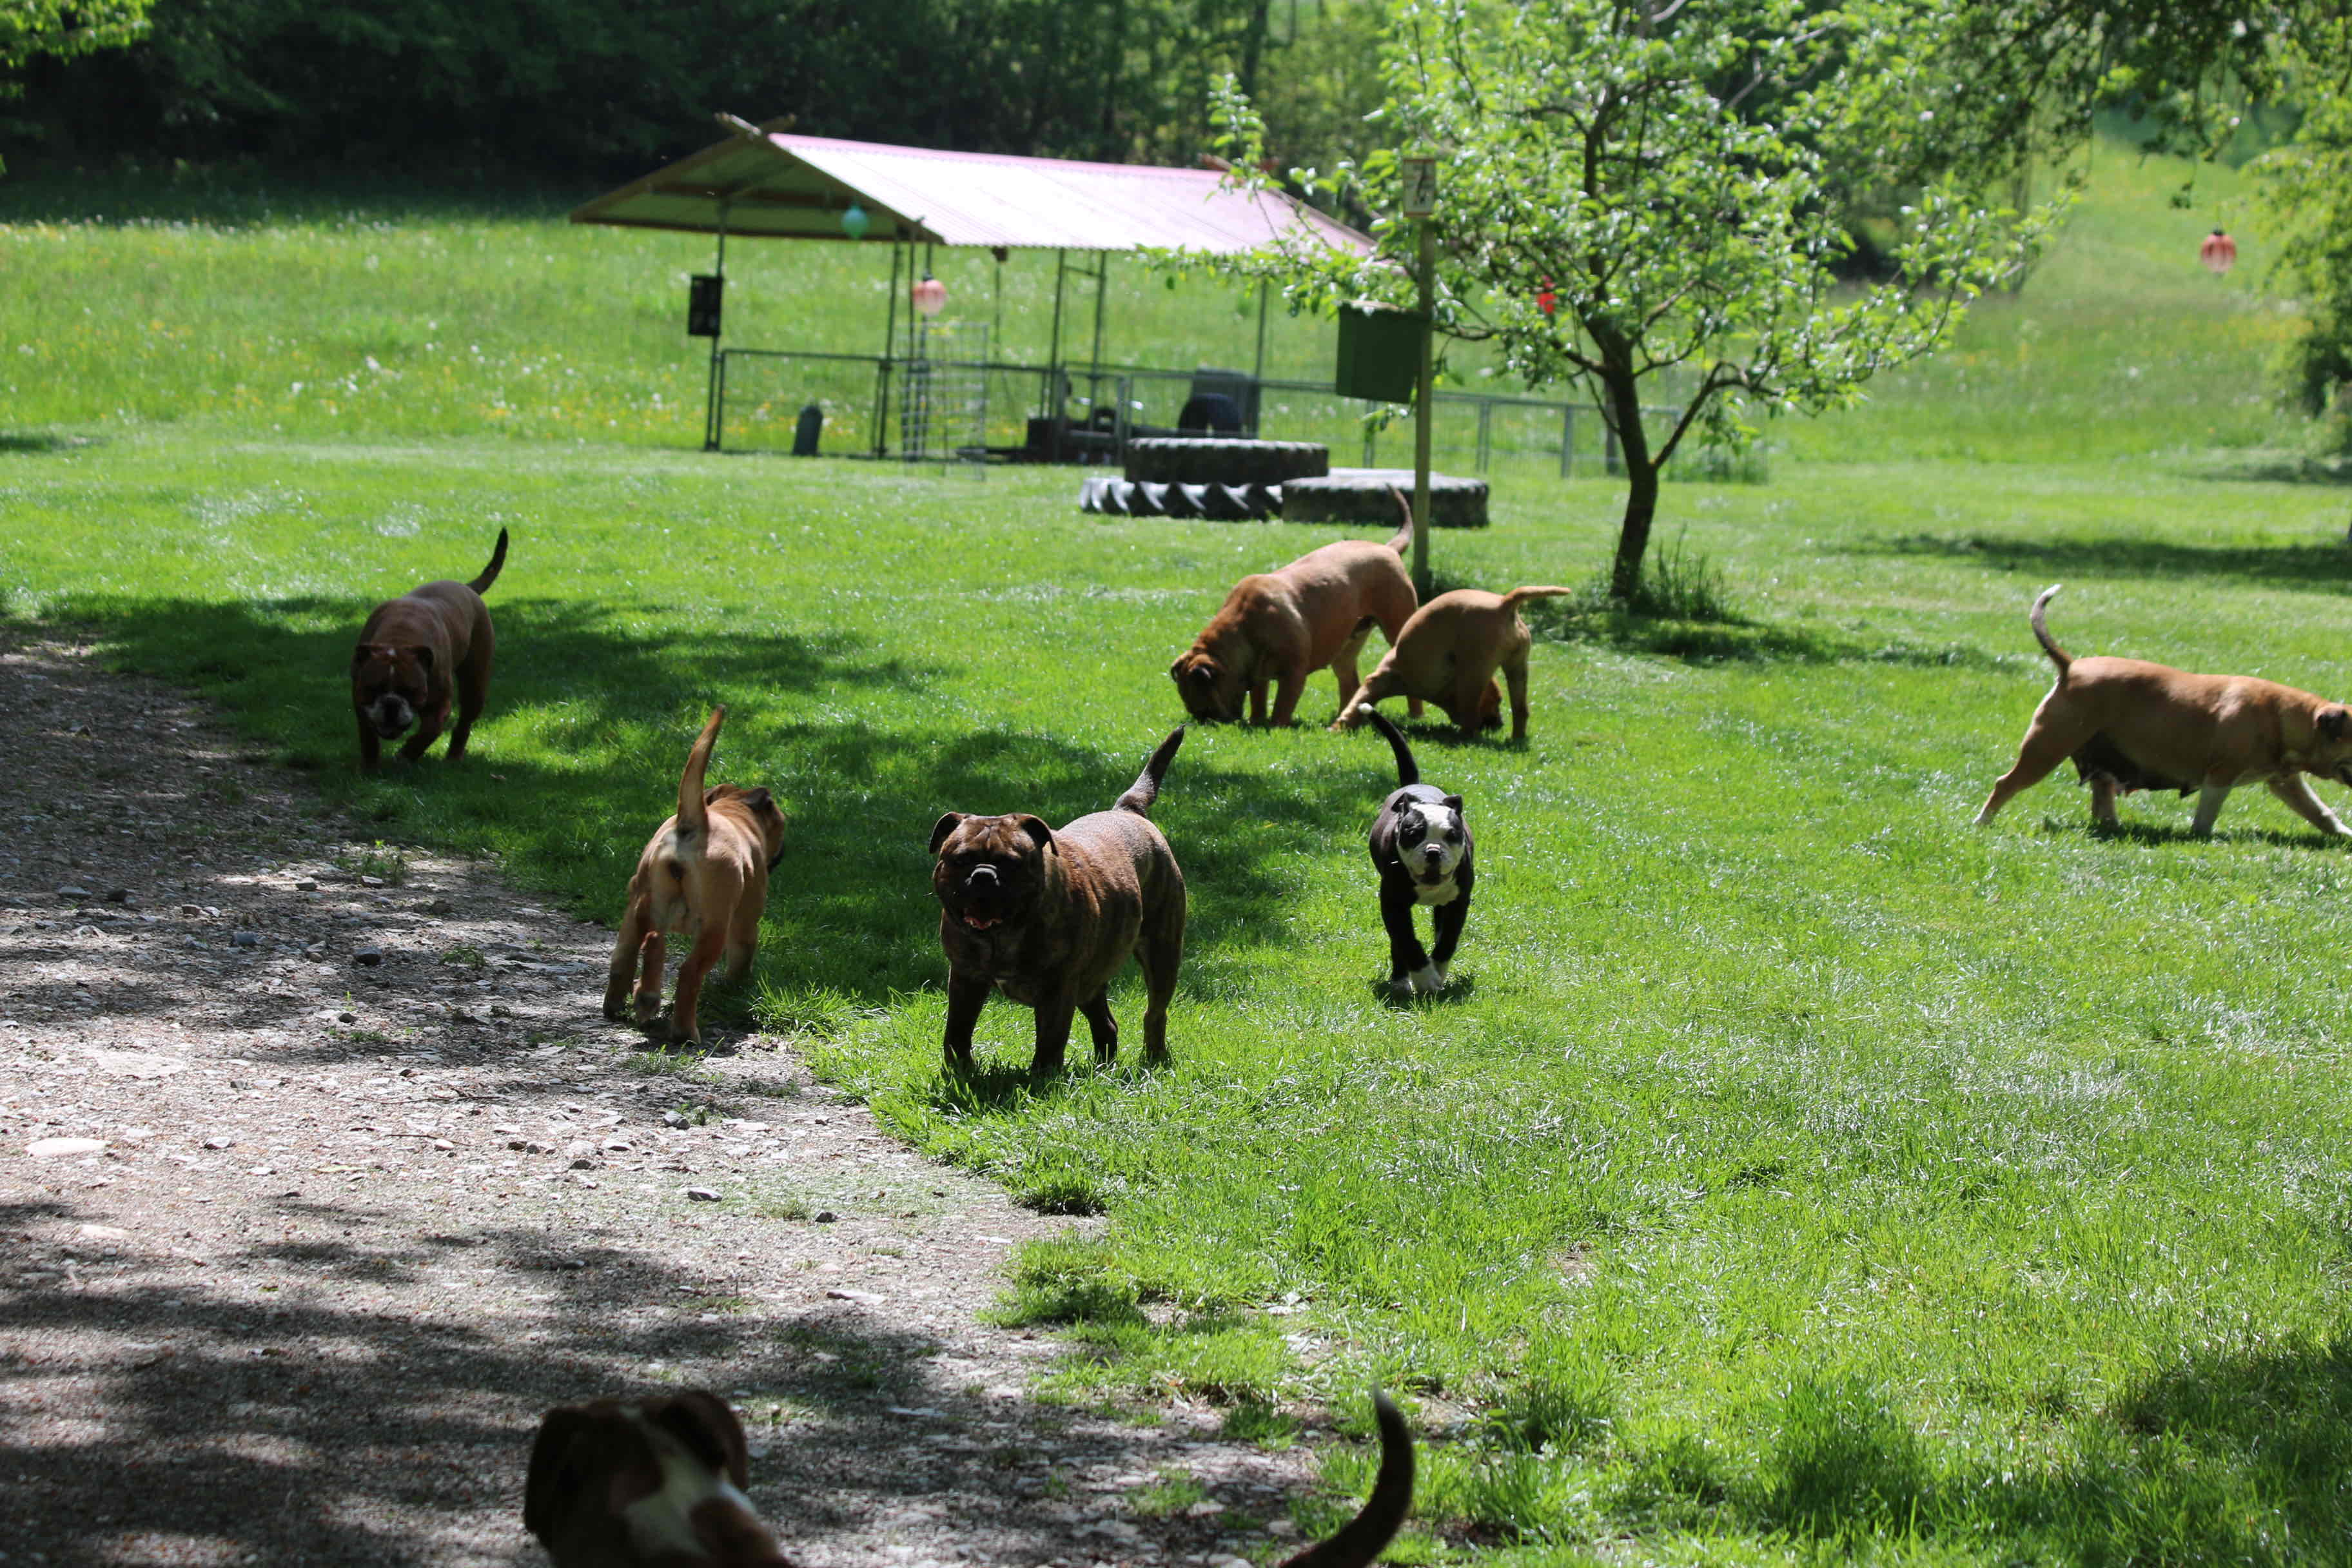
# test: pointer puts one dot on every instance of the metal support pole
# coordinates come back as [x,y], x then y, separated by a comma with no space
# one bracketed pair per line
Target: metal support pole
[1567,438]
[1371,435]
[714,392]
[1051,400]
[1485,434]
[890,348]
[1257,366]
[1422,386]
[1102,277]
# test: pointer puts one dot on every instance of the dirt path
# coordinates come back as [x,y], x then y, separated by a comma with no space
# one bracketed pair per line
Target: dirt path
[378,1185]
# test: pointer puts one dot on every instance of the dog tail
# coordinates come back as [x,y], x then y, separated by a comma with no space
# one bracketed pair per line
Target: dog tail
[1146,787]
[1518,596]
[693,818]
[481,584]
[2058,656]
[1359,1540]
[1406,772]
[1402,540]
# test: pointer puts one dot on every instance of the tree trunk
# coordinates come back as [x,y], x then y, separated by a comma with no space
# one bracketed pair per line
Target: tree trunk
[1623,392]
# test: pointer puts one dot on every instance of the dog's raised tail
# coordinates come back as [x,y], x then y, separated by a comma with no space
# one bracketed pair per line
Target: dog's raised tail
[481,584]
[1406,772]
[1401,540]
[1358,1541]
[1518,596]
[2058,656]
[692,815]
[1146,787]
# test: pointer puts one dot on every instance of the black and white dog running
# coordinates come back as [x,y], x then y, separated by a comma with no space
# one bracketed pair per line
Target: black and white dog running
[1421,846]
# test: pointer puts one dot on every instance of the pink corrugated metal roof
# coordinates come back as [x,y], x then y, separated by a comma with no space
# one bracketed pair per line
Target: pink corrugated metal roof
[797,186]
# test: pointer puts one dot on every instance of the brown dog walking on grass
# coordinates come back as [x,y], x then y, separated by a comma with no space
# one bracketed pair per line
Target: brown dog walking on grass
[704,875]
[415,654]
[1276,628]
[1448,653]
[2127,725]
[1048,915]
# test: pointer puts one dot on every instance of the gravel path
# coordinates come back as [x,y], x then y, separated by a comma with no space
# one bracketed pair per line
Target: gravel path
[378,1185]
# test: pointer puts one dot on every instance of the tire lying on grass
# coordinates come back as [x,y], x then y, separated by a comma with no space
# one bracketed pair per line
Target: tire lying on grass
[1191,460]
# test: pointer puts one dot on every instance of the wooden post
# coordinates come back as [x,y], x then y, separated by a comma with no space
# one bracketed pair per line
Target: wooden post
[1420,203]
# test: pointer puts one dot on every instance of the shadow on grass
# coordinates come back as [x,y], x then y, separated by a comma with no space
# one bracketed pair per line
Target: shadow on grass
[2281,468]
[2320,567]
[588,722]
[36,443]
[1736,641]
[2239,1458]
[2161,834]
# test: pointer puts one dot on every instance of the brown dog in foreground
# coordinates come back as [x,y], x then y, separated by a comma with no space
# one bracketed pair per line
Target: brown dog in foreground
[414,654]
[2129,725]
[659,1484]
[1048,915]
[1279,628]
[1449,652]
[704,874]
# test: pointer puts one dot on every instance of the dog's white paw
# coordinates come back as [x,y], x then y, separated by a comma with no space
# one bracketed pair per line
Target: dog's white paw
[1428,977]
[1443,979]
[1402,988]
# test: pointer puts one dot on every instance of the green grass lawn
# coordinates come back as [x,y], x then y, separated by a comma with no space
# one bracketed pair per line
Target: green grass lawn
[1795,1173]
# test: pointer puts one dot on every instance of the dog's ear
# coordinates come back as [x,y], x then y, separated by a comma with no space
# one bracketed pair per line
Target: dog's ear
[703,1422]
[557,1470]
[424,657]
[945,826]
[360,655]
[1204,674]
[1454,803]
[2334,721]
[1039,834]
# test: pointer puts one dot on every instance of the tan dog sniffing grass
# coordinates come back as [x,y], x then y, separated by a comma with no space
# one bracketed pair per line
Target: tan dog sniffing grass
[659,1484]
[2129,725]
[1276,628]
[1448,653]
[704,875]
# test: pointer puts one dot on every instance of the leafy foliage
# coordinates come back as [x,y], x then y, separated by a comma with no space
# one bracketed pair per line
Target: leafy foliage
[574,86]
[2307,188]
[1633,197]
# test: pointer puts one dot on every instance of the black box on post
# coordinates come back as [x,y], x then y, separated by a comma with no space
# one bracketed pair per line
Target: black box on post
[703,292]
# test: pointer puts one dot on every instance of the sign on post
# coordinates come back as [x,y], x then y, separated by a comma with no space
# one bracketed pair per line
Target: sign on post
[1420,184]
[704,290]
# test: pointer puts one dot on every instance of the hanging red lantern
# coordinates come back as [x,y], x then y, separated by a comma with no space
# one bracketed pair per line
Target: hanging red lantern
[1545,300]
[931,294]
[2219,252]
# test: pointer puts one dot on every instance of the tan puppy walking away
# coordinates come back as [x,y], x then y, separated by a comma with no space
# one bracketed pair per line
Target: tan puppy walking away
[1449,652]
[1278,627]
[704,875]
[2130,725]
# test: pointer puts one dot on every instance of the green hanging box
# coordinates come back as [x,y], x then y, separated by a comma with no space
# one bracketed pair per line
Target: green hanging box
[1380,352]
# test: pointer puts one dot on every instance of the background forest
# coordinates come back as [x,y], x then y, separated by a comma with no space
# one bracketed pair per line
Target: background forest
[599,88]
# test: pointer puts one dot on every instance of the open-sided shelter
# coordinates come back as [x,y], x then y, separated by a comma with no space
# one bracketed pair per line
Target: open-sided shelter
[764,182]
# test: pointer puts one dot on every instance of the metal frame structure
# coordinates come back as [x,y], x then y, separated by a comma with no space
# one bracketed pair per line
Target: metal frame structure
[764,182]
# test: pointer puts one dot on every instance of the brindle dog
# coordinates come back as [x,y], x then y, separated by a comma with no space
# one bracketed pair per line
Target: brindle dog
[1047,916]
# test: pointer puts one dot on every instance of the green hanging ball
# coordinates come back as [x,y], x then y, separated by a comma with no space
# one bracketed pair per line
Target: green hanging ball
[854,221]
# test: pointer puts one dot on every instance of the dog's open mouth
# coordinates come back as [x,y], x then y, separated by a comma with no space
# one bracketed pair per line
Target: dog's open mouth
[1432,875]
[980,922]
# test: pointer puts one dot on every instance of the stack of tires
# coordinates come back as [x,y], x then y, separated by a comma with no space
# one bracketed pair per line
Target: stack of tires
[1204,477]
